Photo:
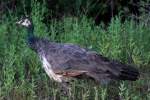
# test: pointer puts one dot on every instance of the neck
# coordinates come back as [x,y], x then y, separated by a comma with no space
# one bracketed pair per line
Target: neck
[30,31]
[30,37]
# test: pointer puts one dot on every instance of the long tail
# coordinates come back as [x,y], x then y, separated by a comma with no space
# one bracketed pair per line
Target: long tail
[108,70]
[122,71]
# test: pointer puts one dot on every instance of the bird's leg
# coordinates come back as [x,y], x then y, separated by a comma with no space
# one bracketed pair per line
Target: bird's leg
[65,88]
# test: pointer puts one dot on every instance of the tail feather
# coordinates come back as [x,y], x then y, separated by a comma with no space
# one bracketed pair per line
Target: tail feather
[125,72]
[111,69]
[128,75]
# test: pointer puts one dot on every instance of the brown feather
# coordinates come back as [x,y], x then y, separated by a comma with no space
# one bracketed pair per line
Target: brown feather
[71,73]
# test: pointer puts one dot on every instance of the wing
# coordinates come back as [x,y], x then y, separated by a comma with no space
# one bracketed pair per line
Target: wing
[72,60]
[68,56]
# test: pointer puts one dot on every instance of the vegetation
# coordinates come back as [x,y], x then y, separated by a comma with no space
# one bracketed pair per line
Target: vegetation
[22,76]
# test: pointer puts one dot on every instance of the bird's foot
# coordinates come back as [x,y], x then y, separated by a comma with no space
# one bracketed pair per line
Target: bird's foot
[65,89]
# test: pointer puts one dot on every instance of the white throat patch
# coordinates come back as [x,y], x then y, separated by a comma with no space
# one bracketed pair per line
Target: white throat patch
[26,23]
[49,71]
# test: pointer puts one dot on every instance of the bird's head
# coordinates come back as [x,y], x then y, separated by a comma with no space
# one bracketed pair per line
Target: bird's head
[25,21]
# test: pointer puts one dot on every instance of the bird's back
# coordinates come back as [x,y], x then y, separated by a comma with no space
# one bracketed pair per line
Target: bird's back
[74,59]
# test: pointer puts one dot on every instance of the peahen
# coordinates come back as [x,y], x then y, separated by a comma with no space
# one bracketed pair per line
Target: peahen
[63,61]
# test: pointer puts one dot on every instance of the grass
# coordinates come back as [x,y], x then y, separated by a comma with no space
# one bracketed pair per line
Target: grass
[22,76]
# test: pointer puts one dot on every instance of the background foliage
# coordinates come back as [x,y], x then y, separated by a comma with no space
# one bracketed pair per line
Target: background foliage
[117,29]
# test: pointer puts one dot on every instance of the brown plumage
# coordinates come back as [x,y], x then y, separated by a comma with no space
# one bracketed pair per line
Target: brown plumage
[72,61]
[63,61]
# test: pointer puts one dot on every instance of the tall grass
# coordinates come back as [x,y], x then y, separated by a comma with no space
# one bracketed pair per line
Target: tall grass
[22,77]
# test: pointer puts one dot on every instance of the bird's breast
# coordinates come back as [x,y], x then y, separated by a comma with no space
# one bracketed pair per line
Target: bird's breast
[48,69]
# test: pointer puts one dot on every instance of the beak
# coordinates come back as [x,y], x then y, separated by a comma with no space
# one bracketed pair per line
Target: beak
[19,22]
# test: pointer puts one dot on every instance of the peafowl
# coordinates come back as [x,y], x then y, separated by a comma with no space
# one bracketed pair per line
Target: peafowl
[62,61]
